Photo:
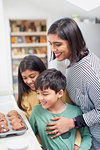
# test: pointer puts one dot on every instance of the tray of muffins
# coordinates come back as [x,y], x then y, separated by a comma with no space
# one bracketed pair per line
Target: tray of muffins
[12,123]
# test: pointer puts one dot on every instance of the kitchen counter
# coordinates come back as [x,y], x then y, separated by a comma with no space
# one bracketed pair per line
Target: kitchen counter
[29,139]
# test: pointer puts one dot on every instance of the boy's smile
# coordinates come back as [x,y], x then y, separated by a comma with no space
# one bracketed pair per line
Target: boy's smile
[50,100]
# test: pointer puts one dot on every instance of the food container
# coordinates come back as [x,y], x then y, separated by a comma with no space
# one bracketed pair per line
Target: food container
[76,17]
[11,131]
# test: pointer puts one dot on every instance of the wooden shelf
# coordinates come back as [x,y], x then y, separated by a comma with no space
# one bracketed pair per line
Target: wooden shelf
[15,91]
[15,74]
[29,45]
[28,33]
[21,56]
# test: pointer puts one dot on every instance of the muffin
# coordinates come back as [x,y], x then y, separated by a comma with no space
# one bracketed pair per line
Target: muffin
[1,115]
[3,123]
[12,113]
[15,120]
[4,128]
[3,119]
[19,126]
[13,117]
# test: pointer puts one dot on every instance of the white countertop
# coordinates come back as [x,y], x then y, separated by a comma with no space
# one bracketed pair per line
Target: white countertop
[8,103]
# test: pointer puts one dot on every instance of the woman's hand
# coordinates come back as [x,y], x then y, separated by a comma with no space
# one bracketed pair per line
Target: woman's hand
[60,126]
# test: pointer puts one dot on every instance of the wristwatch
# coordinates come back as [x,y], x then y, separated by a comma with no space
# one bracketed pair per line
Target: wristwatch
[75,122]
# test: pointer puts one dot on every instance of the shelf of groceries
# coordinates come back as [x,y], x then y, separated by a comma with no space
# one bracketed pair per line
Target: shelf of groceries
[28,37]
[28,43]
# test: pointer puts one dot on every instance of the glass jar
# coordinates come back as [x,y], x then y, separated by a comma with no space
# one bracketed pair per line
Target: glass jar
[76,17]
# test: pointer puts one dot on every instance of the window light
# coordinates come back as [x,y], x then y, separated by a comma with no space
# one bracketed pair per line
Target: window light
[85,4]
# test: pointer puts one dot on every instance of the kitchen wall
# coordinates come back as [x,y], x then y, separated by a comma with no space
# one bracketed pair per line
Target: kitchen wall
[5,61]
[91,34]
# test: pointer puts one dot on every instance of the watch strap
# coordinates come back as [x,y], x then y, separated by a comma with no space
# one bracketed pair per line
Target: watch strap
[75,122]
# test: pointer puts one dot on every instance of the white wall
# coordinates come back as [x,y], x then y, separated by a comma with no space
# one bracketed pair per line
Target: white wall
[22,9]
[5,62]
[91,34]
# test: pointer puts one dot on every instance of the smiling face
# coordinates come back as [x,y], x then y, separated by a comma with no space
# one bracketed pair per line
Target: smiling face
[49,99]
[59,47]
[29,77]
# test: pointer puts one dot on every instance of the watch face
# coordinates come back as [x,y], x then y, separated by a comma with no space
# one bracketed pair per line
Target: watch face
[75,122]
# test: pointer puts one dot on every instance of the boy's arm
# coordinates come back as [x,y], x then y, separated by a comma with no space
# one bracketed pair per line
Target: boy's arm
[78,139]
[86,139]
[32,121]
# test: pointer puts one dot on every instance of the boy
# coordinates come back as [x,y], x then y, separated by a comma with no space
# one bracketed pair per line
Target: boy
[50,86]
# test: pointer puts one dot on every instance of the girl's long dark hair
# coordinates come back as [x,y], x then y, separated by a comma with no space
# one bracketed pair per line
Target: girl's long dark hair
[67,29]
[30,62]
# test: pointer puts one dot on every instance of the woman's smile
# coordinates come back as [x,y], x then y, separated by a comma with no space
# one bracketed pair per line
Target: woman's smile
[57,54]
[59,47]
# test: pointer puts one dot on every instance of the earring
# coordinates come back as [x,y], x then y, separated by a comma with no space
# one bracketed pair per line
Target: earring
[60,96]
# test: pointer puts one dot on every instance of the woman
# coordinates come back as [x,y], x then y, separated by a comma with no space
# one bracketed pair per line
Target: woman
[29,69]
[83,78]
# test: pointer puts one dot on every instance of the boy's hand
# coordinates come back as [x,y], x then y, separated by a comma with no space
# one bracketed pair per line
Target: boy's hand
[76,147]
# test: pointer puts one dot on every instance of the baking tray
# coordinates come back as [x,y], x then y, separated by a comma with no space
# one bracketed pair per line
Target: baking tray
[11,131]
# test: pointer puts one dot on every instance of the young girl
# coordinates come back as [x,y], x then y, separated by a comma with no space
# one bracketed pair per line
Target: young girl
[29,69]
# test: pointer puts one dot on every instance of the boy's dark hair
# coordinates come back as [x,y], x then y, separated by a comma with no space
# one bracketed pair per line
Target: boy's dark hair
[51,78]
[67,29]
